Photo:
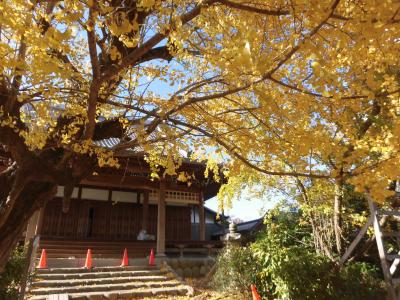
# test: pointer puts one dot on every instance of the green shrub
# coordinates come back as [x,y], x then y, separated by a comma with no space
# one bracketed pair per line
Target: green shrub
[299,275]
[291,269]
[284,265]
[235,270]
[10,279]
[359,280]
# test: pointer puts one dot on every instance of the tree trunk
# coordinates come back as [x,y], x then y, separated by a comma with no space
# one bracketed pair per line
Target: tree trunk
[319,243]
[337,214]
[33,197]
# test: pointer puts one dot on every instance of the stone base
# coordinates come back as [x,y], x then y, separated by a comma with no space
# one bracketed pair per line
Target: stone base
[191,267]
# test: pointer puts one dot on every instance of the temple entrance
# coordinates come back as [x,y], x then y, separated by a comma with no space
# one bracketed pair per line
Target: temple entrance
[90,222]
[103,220]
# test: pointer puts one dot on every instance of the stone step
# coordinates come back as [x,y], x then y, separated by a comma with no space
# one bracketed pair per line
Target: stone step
[89,275]
[124,294]
[94,281]
[105,287]
[95,269]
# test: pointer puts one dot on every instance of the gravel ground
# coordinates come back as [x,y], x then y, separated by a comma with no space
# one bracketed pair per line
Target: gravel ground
[202,292]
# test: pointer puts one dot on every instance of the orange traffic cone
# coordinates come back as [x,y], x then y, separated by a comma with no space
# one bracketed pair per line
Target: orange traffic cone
[256,296]
[43,260]
[125,259]
[88,262]
[151,258]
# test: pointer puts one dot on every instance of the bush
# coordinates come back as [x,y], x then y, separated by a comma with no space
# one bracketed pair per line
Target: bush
[284,265]
[10,279]
[235,270]
[360,281]
[304,275]
[290,268]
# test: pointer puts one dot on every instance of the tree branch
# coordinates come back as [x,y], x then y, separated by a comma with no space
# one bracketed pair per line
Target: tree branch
[298,46]
[133,57]
[17,187]
[108,129]
[231,150]
[91,36]
[268,12]
[157,53]
[96,83]
[254,9]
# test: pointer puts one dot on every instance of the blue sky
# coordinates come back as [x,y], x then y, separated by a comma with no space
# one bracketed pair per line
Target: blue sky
[244,208]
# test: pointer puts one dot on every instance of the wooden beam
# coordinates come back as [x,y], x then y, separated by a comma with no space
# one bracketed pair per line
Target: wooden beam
[145,221]
[110,181]
[394,266]
[202,221]
[381,249]
[355,242]
[132,182]
[161,220]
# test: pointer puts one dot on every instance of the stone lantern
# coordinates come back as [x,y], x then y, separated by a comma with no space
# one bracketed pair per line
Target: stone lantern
[232,237]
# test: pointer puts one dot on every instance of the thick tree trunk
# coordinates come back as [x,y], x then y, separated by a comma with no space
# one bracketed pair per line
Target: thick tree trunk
[33,197]
[337,214]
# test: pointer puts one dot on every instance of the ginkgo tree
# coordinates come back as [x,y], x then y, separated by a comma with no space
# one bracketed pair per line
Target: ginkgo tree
[285,88]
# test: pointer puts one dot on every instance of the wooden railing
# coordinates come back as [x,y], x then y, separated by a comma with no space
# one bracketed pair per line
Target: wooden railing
[33,246]
[193,246]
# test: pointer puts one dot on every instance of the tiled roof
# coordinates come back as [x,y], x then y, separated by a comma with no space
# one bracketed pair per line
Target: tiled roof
[249,225]
[243,227]
[108,143]
[113,142]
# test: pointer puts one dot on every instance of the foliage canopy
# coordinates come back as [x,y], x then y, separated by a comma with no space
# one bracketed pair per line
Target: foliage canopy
[281,87]
[300,88]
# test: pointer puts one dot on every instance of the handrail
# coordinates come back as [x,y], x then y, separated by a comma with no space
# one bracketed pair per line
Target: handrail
[33,246]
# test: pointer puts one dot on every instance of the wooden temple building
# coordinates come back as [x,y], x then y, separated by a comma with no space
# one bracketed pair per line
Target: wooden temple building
[108,210]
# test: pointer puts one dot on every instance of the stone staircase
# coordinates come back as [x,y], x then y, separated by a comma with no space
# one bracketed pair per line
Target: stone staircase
[105,283]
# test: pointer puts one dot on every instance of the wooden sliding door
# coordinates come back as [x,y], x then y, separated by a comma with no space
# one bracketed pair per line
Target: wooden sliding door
[102,220]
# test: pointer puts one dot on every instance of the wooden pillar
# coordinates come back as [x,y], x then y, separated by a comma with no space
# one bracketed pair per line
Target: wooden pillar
[161,220]
[202,221]
[145,204]
[108,212]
